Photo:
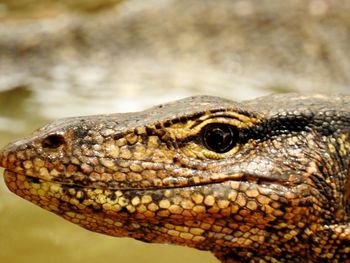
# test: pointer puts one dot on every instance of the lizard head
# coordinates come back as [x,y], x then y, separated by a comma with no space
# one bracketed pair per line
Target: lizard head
[203,172]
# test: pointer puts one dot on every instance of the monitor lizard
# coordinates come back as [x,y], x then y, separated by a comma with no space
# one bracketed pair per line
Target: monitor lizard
[264,180]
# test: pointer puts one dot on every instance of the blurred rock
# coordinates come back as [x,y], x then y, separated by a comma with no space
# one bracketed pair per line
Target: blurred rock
[235,49]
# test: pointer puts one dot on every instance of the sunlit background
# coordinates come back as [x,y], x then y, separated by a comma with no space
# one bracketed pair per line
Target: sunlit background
[68,58]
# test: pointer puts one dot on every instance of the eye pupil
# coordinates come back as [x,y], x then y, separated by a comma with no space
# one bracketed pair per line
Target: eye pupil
[53,141]
[219,138]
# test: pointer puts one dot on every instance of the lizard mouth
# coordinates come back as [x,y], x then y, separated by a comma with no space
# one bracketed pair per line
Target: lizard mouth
[173,177]
[11,177]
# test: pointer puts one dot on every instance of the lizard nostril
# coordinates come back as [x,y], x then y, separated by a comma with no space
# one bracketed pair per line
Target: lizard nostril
[53,141]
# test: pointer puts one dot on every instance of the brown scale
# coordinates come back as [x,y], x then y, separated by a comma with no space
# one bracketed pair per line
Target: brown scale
[265,180]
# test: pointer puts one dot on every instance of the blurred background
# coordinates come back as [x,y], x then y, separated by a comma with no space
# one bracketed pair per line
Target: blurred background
[67,58]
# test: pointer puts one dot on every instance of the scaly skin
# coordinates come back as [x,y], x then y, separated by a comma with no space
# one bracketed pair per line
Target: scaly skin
[280,193]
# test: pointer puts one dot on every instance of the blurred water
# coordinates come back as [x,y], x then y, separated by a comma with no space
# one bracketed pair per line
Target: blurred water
[134,55]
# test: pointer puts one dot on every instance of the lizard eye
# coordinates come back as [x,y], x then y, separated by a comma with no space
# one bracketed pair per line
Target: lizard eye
[53,141]
[219,137]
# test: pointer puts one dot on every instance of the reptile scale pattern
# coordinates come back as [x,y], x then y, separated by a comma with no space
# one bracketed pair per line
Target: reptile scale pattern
[281,194]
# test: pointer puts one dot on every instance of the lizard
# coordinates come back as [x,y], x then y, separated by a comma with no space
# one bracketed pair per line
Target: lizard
[262,180]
